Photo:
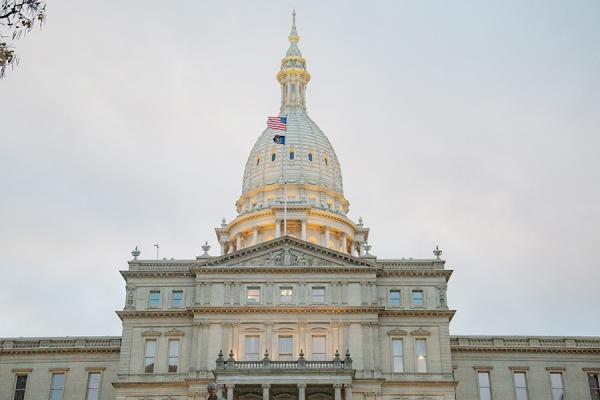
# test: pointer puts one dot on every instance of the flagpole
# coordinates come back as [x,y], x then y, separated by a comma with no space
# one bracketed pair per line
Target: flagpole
[284,189]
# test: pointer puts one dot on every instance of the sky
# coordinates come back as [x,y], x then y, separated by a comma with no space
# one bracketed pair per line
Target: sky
[469,125]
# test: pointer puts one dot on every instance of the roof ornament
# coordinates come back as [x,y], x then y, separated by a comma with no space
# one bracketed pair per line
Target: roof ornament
[294,38]
[223,223]
[368,248]
[360,222]
[135,253]
[437,252]
[205,249]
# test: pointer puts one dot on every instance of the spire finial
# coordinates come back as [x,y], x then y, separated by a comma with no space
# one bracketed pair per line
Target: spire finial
[294,38]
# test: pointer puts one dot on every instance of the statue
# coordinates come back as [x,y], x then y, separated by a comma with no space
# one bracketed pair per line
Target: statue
[212,392]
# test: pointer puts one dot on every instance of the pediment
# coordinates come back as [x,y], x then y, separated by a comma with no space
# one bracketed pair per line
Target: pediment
[287,252]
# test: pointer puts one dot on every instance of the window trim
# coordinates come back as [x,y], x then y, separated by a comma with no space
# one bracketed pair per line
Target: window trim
[62,372]
[260,297]
[312,352]
[150,291]
[424,339]
[248,335]
[285,335]
[401,339]
[519,371]
[412,297]
[561,372]
[589,372]
[91,371]
[18,373]
[291,297]
[312,288]
[399,297]
[169,341]
[182,298]
[145,355]
[488,371]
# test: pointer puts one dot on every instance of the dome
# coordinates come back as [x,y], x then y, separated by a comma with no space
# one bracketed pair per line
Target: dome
[310,158]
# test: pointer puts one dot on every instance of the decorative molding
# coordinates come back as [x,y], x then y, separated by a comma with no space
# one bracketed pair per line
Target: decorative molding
[420,332]
[22,370]
[557,369]
[151,333]
[95,369]
[518,368]
[59,370]
[483,367]
[174,332]
[397,332]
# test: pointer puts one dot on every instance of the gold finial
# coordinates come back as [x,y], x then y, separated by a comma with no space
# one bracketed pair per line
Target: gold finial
[294,38]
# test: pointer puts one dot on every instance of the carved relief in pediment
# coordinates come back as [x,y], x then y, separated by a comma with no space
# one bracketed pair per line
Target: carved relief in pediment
[285,256]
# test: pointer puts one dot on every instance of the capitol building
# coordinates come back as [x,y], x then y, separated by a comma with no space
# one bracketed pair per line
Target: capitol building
[294,307]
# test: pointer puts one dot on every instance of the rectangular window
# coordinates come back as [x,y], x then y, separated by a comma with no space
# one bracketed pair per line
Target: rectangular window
[173,360]
[154,299]
[394,297]
[421,352]
[252,348]
[286,295]
[253,295]
[317,294]
[594,384]
[57,386]
[93,386]
[398,355]
[520,382]
[417,298]
[20,386]
[285,348]
[150,356]
[318,348]
[485,387]
[558,386]
[177,298]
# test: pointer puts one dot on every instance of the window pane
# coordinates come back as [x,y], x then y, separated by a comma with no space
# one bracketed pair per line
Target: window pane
[421,347]
[395,297]
[397,347]
[558,394]
[417,297]
[252,344]
[93,388]
[318,347]
[519,379]
[556,380]
[285,295]
[149,356]
[173,360]
[485,394]
[57,386]
[154,298]
[318,294]
[397,355]
[484,379]
[285,345]
[521,394]
[593,381]
[20,386]
[177,298]
[253,296]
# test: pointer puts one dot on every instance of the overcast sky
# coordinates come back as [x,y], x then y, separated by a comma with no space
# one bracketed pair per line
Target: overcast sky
[470,125]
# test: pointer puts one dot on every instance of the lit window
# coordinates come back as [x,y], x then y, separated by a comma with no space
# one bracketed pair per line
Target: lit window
[173,361]
[20,386]
[177,298]
[251,348]
[394,297]
[93,386]
[57,386]
[253,295]
[594,384]
[286,295]
[318,348]
[149,356]
[417,297]
[398,355]
[154,299]
[273,157]
[318,294]
[310,157]
[485,388]
[292,155]
[421,345]
[285,344]
[558,386]
[520,382]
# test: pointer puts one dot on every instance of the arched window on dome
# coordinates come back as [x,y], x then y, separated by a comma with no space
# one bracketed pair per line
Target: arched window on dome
[257,160]
[310,157]
[292,155]
[326,160]
[273,156]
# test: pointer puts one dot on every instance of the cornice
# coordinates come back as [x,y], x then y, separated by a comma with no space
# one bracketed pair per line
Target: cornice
[506,349]
[419,313]
[62,350]
[157,274]
[182,313]
[446,273]
[286,310]
[283,269]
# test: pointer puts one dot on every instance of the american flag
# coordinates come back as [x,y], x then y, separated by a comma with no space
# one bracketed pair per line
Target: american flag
[277,123]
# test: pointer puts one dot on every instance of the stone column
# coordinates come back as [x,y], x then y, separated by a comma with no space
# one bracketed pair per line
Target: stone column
[230,388]
[302,391]
[265,388]
[277,228]
[348,391]
[238,242]
[227,293]
[374,297]
[363,294]
[335,288]
[255,235]
[361,248]
[303,236]
[337,387]
[326,244]
[222,244]
[195,341]
[345,242]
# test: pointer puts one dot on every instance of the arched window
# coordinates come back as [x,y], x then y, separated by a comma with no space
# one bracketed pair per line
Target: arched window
[257,160]
[273,157]
[310,158]
[326,161]
[292,155]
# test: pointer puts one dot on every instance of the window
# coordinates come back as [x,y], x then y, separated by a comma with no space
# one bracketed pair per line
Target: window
[485,388]
[310,157]
[57,386]
[558,386]
[177,298]
[253,295]
[326,161]
[394,297]
[149,356]
[398,355]
[273,156]
[20,386]
[257,160]
[251,347]
[520,382]
[285,348]
[173,360]
[421,351]
[417,297]
[292,155]
[286,295]
[594,383]
[93,386]
[154,299]
[318,348]
[318,294]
